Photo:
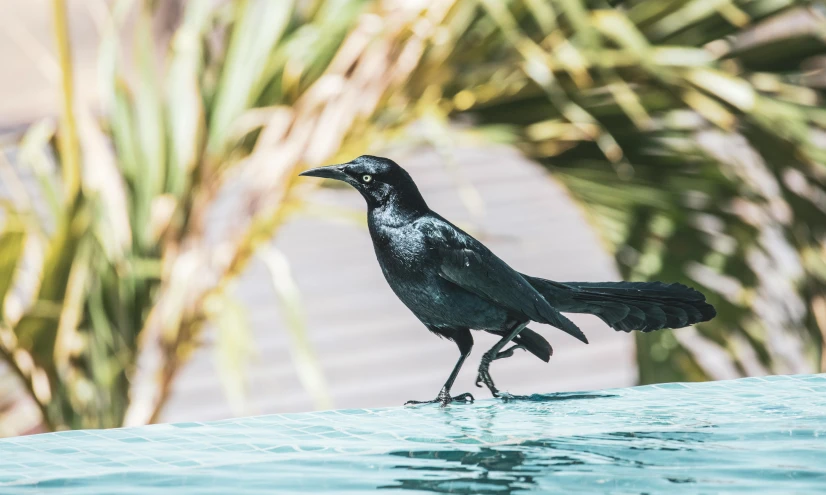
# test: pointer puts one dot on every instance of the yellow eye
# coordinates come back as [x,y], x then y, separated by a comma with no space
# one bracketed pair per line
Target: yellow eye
[367,178]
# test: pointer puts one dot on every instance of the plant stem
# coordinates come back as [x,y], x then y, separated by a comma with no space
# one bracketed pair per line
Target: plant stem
[67,138]
[5,355]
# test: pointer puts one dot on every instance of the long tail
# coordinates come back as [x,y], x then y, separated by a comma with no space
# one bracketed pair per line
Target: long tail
[627,306]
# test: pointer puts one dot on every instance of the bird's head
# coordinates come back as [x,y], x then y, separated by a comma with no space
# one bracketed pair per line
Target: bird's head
[380,181]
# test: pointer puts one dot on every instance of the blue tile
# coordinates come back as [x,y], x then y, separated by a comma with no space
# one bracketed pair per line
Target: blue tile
[764,435]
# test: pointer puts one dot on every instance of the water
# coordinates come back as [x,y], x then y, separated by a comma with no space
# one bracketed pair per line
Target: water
[764,435]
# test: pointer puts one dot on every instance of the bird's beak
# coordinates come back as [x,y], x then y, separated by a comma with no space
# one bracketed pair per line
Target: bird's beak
[334,172]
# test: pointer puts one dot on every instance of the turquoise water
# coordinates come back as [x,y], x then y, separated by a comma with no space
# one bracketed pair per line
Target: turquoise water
[764,435]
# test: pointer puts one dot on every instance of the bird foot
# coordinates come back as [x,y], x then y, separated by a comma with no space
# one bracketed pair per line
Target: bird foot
[444,399]
[484,377]
[484,369]
[509,352]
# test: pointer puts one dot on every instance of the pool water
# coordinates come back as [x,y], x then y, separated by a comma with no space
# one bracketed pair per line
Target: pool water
[764,435]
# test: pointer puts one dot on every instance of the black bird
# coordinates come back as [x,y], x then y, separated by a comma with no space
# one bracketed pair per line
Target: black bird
[454,284]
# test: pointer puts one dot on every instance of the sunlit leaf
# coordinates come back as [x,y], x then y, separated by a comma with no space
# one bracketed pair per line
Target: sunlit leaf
[101,179]
[33,153]
[12,240]
[184,101]
[259,25]
[150,173]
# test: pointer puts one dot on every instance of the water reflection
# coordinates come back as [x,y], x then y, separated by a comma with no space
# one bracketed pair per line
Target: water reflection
[502,469]
[519,466]
[488,470]
[529,445]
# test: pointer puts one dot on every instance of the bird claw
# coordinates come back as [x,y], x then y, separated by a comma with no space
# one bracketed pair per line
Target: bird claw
[480,377]
[444,399]
[484,377]
[484,373]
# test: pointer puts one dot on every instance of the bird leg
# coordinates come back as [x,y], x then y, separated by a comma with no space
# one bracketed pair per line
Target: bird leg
[444,397]
[495,353]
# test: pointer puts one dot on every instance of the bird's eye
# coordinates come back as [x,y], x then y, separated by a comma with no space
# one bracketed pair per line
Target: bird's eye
[367,178]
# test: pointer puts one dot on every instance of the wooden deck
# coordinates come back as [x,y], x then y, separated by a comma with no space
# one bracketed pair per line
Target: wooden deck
[374,351]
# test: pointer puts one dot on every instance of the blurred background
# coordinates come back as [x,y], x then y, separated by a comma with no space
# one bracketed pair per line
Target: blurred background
[160,261]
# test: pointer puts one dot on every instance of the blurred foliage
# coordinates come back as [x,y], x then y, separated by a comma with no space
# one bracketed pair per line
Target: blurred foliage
[693,134]
[106,293]
[690,130]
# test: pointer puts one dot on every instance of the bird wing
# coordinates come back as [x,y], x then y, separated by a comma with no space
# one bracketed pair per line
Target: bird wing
[470,265]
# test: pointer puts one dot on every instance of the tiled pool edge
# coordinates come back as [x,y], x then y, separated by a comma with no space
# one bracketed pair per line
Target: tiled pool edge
[182,450]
